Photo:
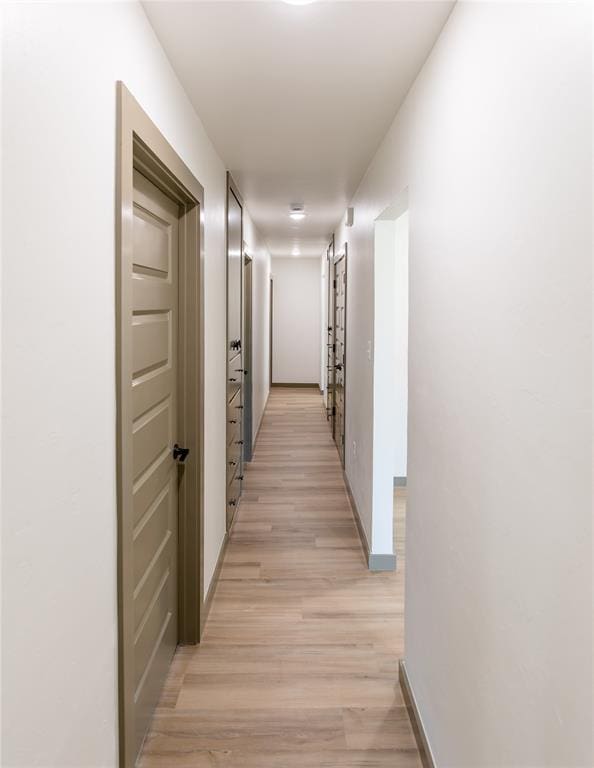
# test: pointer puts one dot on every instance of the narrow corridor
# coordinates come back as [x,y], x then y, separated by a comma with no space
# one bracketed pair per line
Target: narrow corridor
[299,660]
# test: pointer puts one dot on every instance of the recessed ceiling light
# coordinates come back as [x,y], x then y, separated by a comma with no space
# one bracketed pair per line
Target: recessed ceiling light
[296,252]
[297,212]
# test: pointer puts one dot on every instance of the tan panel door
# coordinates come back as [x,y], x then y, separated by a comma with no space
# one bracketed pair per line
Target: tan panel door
[340,354]
[153,548]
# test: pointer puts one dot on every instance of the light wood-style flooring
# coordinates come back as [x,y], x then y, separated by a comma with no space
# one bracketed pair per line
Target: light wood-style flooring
[298,667]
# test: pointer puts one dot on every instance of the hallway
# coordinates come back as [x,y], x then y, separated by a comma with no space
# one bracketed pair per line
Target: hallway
[298,665]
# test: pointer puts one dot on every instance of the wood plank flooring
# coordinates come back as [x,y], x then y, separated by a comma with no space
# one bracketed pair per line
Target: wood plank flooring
[298,667]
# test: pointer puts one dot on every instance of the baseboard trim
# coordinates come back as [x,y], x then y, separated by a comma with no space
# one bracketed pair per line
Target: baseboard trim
[381,562]
[213,584]
[357,517]
[400,482]
[260,424]
[375,562]
[427,757]
[296,384]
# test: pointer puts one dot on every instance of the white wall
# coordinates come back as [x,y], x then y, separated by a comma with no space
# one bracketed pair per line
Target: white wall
[494,145]
[60,65]
[400,319]
[258,250]
[296,321]
[324,326]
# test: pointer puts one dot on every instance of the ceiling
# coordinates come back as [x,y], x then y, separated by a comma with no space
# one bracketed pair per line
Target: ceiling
[296,98]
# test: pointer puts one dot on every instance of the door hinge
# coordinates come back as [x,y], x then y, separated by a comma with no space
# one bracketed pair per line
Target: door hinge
[334,282]
[334,410]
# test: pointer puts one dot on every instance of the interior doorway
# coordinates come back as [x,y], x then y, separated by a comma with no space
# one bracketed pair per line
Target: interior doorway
[390,369]
[339,337]
[235,350]
[160,411]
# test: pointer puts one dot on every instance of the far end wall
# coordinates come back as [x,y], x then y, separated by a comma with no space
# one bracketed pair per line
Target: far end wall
[296,321]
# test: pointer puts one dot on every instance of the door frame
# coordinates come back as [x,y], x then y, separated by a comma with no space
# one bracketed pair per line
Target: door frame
[233,189]
[141,145]
[330,253]
[248,282]
[338,257]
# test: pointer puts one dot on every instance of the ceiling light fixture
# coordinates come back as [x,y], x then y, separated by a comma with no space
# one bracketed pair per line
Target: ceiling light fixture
[298,2]
[297,212]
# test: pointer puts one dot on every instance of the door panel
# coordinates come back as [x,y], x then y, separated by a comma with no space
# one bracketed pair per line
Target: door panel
[340,354]
[153,430]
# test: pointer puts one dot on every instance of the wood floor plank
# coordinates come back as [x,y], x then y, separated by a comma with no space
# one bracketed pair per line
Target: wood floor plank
[298,667]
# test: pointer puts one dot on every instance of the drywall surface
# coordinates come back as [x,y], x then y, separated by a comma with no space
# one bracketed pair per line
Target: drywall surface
[324,327]
[494,145]
[381,539]
[296,321]
[400,320]
[258,250]
[60,64]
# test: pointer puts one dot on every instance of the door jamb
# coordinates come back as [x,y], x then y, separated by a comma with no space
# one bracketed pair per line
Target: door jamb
[141,145]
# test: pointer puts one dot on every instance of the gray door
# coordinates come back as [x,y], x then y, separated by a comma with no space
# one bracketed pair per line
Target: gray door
[152,547]
[340,354]
[235,368]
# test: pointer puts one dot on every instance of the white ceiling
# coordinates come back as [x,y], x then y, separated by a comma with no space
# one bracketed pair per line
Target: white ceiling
[296,99]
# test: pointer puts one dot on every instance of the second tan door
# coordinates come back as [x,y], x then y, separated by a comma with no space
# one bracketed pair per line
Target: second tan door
[153,548]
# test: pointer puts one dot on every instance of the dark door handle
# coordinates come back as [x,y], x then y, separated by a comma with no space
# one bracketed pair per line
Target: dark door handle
[338,366]
[232,421]
[180,454]
[235,344]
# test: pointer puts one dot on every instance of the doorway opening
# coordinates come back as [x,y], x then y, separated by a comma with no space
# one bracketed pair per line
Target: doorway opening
[390,375]
[160,415]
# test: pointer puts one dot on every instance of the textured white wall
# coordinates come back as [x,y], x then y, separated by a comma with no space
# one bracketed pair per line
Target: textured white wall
[296,321]
[494,145]
[400,319]
[60,64]
[258,250]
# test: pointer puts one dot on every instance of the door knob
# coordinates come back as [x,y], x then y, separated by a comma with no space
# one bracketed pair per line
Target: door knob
[180,454]
[338,366]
